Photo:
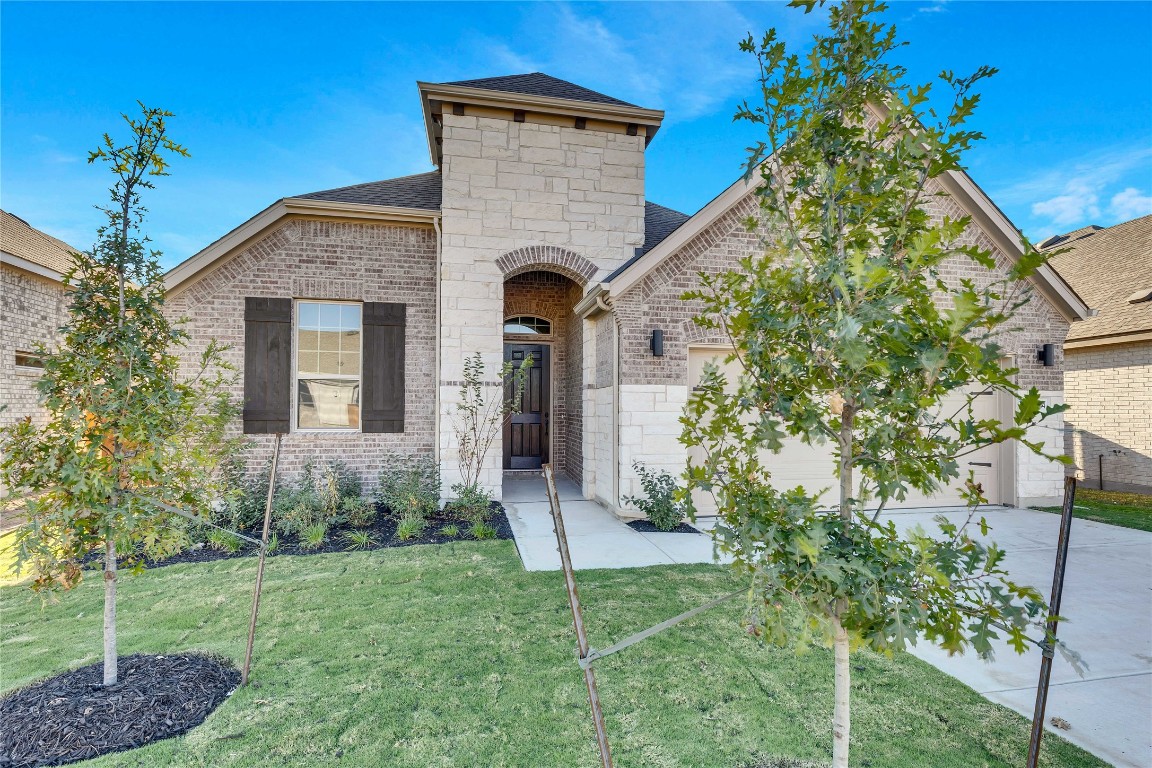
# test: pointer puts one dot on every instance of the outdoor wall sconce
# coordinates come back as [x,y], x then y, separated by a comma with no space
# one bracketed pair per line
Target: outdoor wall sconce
[657,343]
[1047,355]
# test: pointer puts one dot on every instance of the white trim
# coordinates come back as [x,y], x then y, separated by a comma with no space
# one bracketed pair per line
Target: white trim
[11,260]
[1100,341]
[184,272]
[359,378]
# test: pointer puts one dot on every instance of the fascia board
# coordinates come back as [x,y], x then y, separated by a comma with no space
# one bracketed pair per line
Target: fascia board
[258,224]
[11,260]
[700,221]
[1100,341]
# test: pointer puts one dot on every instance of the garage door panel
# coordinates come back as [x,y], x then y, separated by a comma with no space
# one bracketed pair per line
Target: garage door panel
[813,467]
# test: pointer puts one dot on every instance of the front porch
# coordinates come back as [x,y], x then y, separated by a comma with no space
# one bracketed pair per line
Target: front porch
[596,537]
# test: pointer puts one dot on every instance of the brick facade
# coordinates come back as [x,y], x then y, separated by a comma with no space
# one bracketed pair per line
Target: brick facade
[1109,391]
[305,259]
[32,308]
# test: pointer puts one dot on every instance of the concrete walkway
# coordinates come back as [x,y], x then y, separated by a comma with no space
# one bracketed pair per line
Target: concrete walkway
[596,538]
[1107,604]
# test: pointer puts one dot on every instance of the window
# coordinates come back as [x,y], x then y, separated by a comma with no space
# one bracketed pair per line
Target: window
[28,360]
[328,353]
[535,326]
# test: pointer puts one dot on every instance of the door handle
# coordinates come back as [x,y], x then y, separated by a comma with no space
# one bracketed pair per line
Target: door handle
[979,463]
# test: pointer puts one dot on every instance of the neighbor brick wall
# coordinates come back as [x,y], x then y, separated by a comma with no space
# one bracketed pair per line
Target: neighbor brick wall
[305,259]
[32,308]
[1109,391]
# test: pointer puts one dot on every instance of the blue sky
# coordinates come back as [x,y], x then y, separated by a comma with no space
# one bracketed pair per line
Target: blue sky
[277,99]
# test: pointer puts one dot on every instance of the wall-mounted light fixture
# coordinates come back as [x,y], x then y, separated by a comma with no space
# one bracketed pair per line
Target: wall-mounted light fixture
[1047,355]
[657,343]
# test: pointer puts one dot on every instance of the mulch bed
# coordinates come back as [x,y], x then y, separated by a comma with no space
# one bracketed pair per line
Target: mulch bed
[645,526]
[382,531]
[74,717]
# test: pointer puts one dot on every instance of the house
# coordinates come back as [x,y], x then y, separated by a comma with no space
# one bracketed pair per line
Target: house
[1108,358]
[350,311]
[33,306]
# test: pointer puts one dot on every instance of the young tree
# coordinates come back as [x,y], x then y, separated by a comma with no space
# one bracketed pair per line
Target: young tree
[849,334]
[479,418]
[127,435]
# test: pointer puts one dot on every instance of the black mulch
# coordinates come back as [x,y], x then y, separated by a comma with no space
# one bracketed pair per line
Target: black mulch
[74,717]
[645,526]
[382,531]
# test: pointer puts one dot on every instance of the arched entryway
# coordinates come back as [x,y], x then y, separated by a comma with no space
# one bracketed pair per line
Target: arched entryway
[539,322]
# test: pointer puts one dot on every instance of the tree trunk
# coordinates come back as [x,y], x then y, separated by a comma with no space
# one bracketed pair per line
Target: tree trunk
[110,613]
[841,719]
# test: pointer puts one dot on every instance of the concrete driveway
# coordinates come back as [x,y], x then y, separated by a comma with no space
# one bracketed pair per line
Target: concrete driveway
[1108,605]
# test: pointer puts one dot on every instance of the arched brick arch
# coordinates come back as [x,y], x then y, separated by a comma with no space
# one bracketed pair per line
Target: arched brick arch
[548,258]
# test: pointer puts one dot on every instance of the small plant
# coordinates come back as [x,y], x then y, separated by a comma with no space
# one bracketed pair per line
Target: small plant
[359,540]
[481,530]
[410,528]
[223,541]
[471,503]
[479,418]
[659,504]
[314,536]
[451,530]
[273,542]
[410,487]
[358,512]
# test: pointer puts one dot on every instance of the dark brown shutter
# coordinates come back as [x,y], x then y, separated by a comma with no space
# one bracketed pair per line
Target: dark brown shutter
[267,365]
[382,390]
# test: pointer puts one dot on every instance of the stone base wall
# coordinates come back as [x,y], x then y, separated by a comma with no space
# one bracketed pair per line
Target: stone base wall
[305,259]
[1039,481]
[1109,391]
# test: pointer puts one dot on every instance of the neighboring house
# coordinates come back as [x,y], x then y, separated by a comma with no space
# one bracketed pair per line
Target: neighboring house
[1108,358]
[33,306]
[350,311]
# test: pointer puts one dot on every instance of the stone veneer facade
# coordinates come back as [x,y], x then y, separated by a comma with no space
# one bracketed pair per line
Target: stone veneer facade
[522,196]
[306,259]
[1121,375]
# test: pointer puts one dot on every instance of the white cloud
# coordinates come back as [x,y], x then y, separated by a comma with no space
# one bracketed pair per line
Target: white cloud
[936,7]
[1077,203]
[1130,204]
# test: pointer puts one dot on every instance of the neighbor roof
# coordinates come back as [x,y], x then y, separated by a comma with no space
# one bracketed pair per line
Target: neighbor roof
[1106,267]
[540,84]
[422,191]
[18,238]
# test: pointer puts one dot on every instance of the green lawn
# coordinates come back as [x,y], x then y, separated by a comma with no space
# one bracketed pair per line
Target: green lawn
[1130,510]
[452,655]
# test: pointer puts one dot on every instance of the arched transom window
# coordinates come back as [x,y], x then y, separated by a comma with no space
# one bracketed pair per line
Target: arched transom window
[527,324]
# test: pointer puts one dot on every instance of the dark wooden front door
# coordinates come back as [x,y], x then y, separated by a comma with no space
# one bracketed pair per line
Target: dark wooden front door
[526,433]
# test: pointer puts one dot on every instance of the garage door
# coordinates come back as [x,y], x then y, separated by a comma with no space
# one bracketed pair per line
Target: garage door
[814,467]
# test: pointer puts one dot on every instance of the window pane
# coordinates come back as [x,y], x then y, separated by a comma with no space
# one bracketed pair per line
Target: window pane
[330,317]
[329,362]
[328,403]
[350,317]
[350,363]
[527,324]
[309,315]
[307,361]
[350,341]
[308,340]
[329,340]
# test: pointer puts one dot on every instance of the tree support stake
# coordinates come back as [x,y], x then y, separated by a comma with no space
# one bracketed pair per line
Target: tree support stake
[260,566]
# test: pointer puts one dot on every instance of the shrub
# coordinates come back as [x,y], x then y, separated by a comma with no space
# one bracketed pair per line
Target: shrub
[314,536]
[359,540]
[659,504]
[410,487]
[481,530]
[451,530]
[357,512]
[409,528]
[471,503]
[243,508]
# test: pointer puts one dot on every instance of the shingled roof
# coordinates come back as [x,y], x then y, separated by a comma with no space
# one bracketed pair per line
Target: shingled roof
[422,191]
[659,222]
[1107,267]
[20,239]
[540,84]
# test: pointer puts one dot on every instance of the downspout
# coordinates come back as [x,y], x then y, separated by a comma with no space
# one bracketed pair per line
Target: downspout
[439,332]
[615,406]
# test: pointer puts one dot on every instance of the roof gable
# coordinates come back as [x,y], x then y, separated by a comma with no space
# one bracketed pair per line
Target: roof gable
[540,84]
[1106,267]
[19,239]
